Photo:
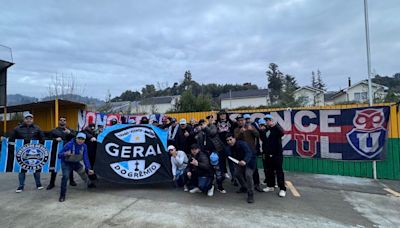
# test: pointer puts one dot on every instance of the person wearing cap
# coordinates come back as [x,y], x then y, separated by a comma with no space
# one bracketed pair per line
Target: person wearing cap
[271,136]
[246,164]
[247,132]
[200,172]
[179,162]
[144,120]
[71,156]
[91,145]
[64,134]
[165,123]
[27,131]
[184,136]
[199,134]
[219,176]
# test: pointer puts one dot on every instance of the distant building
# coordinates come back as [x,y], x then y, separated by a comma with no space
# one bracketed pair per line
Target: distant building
[310,96]
[156,104]
[359,93]
[245,98]
[124,106]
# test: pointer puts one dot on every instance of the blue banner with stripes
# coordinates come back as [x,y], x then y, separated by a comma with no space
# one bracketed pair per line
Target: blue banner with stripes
[32,156]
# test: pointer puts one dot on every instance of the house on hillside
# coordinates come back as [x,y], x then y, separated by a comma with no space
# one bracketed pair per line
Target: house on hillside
[156,104]
[359,93]
[310,96]
[244,98]
[124,106]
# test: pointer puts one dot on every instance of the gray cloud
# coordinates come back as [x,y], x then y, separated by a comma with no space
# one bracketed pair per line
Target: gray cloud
[125,45]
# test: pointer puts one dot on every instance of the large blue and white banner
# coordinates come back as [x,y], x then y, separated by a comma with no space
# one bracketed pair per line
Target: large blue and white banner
[32,157]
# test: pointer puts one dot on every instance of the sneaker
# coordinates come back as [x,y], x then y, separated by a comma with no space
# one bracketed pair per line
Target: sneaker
[282,193]
[250,198]
[221,190]
[61,199]
[40,187]
[227,176]
[50,186]
[269,189]
[19,189]
[195,190]
[258,189]
[211,191]
[72,183]
[185,188]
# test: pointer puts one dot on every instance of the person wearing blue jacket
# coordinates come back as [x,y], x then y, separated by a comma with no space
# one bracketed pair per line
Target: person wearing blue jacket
[71,156]
[246,164]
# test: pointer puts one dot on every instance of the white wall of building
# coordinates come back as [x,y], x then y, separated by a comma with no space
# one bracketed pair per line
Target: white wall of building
[310,97]
[236,103]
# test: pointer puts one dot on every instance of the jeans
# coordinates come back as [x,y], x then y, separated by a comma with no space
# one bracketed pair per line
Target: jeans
[21,178]
[180,177]
[219,176]
[68,167]
[244,175]
[205,183]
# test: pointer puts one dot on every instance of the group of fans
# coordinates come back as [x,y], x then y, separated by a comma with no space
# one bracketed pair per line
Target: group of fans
[201,152]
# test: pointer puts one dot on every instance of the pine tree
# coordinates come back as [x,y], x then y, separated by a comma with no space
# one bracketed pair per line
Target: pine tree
[320,84]
[313,80]
[275,82]
[289,86]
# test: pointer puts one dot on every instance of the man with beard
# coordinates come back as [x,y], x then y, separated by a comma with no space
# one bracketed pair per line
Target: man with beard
[225,126]
[184,137]
[65,134]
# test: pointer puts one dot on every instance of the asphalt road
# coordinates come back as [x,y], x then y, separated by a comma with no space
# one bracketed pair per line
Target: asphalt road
[316,200]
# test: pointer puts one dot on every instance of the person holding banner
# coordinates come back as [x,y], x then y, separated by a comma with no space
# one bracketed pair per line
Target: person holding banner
[241,154]
[271,137]
[65,134]
[27,131]
[71,156]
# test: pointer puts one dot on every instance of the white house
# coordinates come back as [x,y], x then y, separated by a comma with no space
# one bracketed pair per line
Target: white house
[244,98]
[309,96]
[359,93]
[156,104]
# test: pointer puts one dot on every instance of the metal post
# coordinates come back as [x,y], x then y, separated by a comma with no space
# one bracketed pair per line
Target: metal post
[56,112]
[369,69]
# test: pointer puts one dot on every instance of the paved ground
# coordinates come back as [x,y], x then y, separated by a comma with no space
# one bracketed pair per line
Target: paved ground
[328,201]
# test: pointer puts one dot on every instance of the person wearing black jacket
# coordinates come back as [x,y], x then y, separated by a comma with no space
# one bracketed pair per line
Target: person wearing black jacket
[184,137]
[91,145]
[200,172]
[240,150]
[65,134]
[271,136]
[27,131]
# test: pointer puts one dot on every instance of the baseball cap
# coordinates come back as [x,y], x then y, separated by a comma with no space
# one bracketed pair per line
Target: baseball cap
[214,158]
[26,115]
[262,122]
[81,135]
[173,120]
[201,121]
[246,116]
[239,117]
[131,121]
[170,147]
[268,116]
[182,121]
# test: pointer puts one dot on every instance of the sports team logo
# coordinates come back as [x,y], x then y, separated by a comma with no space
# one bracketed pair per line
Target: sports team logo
[368,135]
[132,154]
[32,156]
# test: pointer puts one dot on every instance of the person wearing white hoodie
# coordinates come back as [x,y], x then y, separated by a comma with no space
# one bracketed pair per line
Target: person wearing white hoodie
[179,161]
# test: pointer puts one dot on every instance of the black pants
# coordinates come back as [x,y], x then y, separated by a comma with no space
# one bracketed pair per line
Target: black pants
[256,177]
[273,166]
[54,175]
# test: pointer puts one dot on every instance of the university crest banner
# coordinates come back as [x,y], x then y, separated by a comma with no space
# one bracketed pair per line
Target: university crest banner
[133,154]
[341,134]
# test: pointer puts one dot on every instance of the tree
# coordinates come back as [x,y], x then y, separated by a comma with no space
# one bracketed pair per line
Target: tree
[148,91]
[275,78]
[289,86]
[190,103]
[313,80]
[64,86]
[128,95]
[320,84]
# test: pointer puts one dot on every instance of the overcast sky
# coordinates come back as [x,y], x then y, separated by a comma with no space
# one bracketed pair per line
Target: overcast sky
[120,45]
